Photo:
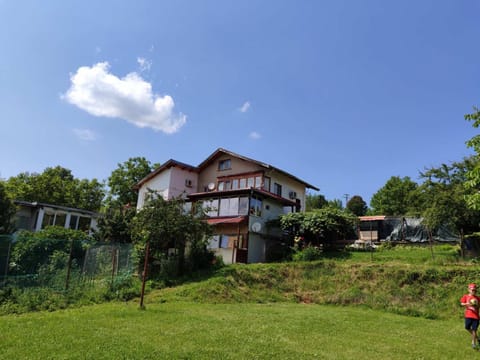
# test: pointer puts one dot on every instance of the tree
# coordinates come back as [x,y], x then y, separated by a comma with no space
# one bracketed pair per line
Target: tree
[122,179]
[7,211]
[443,195]
[323,226]
[166,225]
[116,224]
[315,201]
[57,186]
[336,204]
[472,184]
[357,205]
[394,198]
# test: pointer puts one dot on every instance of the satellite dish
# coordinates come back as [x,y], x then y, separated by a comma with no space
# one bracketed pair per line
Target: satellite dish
[211,186]
[256,227]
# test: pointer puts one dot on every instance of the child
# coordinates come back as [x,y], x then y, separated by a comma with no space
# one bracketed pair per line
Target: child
[471,303]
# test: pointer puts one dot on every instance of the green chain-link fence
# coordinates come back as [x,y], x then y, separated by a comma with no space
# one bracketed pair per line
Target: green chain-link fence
[61,264]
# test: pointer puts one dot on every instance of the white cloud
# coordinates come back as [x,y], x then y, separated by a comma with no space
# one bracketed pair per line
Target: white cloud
[144,64]
[245,107]
[85,134]
[254,135]
[100,93]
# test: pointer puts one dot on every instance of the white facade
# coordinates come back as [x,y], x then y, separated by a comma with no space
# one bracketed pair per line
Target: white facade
[244,193]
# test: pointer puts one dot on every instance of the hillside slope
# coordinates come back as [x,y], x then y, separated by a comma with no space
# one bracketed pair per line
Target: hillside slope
[430,291]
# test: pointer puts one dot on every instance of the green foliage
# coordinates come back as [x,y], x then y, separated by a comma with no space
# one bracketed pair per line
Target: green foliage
[357,205]
[335,204]
[125,176]
[323,226]
[315,201]
[443,195]
[16,300]
[7,211]
[402,280]
[116,223]
[57,186]
[472,185]
[394,198]
[308,253]
[47,249]
[166,225]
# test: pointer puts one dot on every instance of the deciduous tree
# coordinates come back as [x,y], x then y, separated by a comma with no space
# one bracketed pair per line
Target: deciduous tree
[125,176]
[394,198]
[442,197]
[315,201]
[7,211]
[323,226]
[166,225]
[57,185]
[473,175]
[357,205]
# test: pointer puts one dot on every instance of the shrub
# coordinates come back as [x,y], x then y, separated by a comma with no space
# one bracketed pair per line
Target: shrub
[309,253]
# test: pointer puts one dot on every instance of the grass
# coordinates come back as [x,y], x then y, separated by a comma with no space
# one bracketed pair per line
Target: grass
[184,330]
[396,303]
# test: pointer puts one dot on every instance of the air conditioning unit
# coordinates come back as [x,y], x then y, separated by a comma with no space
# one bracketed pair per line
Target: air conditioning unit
[188,183]
[292,195]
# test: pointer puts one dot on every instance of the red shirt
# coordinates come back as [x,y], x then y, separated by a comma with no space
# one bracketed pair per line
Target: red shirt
[470,311]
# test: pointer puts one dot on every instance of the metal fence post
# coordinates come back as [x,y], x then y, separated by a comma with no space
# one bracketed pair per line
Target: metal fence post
[145,268]
[69,266]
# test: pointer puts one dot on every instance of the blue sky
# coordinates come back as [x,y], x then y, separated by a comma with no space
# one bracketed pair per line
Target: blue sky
[343,94]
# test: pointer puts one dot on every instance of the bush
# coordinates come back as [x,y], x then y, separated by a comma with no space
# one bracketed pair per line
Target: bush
[309,253]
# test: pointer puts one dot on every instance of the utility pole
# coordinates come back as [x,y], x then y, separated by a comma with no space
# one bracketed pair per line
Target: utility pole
[346,196]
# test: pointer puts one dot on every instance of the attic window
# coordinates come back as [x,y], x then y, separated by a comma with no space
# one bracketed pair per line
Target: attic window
[224,164]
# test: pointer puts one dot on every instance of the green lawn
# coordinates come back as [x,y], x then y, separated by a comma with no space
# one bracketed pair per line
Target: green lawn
[180,330]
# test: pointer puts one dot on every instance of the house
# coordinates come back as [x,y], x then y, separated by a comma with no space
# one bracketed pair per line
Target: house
[240,194]
[34,216]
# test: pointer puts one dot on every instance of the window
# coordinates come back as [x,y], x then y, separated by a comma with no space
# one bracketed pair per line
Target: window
[48,219]
[213,243]
[225,207]
[255,206]
[266,184]
[224,185]
[229,207]
[243,206]
[60,219]
[243,182]
[235,184]
[223,241]
[211,207]
[277,189]
[84,223]
[258,182]
[224,164]
[73,222]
